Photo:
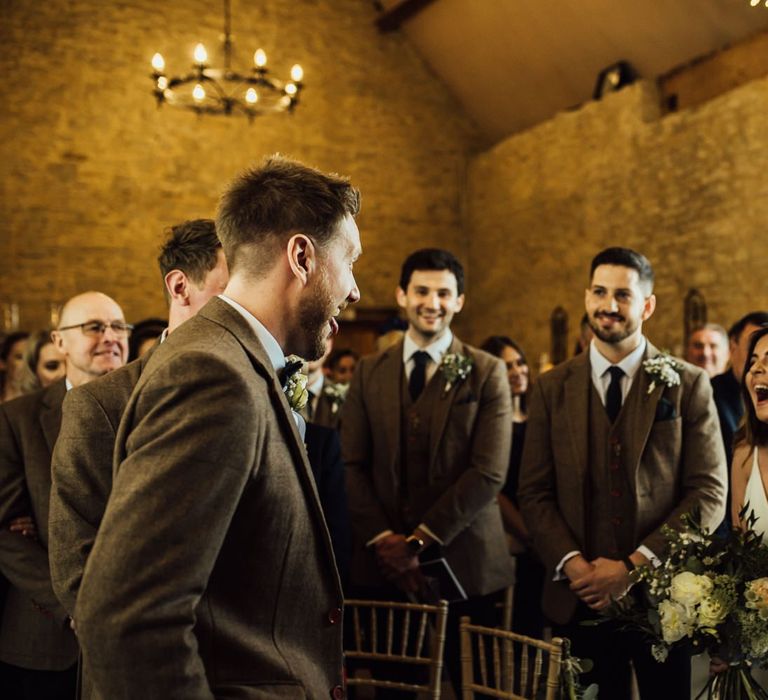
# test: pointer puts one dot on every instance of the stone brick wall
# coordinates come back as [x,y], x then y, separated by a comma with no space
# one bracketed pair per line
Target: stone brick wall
[688,189]
[91,172]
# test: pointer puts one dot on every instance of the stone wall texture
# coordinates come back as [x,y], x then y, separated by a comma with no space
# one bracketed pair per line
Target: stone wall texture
[91,172]
[687,189]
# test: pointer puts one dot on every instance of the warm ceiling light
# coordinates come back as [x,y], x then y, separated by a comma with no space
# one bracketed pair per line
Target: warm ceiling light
[226,86]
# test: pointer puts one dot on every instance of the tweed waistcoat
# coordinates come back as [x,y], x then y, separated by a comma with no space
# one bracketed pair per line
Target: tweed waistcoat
[610,531]
[415,420]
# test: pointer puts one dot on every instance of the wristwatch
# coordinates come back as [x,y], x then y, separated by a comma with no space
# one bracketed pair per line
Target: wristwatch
[415,544]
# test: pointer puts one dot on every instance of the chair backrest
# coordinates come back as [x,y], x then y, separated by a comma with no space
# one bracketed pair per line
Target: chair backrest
[399,633]
[502,664]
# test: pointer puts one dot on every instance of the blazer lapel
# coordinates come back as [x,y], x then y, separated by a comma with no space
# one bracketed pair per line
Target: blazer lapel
[50,413]
[222,313]
[387,387]
[641,412]
[443,408]
[576,388]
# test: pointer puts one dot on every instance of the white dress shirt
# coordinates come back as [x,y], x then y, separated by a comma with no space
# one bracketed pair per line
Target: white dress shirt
[272,347]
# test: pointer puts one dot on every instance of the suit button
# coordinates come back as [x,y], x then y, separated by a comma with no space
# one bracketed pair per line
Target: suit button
[616,520]
[337,692]
[334,616]
[616,493]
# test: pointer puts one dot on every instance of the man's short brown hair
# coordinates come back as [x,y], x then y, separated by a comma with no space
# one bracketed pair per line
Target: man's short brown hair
[280,197]
[191,247]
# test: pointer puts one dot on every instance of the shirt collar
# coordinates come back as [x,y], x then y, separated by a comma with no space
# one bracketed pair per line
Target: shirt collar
[317,385]
[274,351]
[630,364]
[436,349]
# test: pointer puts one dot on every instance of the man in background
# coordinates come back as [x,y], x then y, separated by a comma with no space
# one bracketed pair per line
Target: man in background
[37,644]
[193,270]
[708,348]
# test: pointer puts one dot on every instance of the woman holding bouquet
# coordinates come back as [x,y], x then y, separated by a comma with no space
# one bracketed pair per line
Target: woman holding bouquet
[749,472]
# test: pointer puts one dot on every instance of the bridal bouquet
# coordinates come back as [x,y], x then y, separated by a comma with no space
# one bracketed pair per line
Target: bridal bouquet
[711,594]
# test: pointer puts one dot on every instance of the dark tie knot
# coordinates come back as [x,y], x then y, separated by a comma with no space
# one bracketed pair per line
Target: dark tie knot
[421,358]
[613,395]
[419,373]
[616,373]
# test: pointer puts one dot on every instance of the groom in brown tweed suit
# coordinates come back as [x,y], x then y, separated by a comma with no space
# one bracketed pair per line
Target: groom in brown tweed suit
[611,455]
[212,574]
[426,457]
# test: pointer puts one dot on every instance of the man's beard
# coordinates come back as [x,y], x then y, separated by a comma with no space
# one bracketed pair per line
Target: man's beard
[614,336]
[313,319]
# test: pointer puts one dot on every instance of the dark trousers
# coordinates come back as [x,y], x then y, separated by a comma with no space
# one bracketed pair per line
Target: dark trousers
[26,684]
[482,610]
[612,648]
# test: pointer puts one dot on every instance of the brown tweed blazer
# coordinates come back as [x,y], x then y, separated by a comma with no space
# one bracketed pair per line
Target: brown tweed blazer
[470,440]
[677,462]
[212,574]
[82,473]
[34,633]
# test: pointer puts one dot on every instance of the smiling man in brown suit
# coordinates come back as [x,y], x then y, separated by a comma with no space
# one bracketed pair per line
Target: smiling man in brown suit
[35,637]
[193,270]
[212,574]
[612,454]
[425,456]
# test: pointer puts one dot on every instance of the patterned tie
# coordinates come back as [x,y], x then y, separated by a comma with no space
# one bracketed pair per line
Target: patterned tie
[419,374]
[613,396]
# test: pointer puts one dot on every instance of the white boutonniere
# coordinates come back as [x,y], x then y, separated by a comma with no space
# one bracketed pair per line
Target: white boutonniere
[663,369]
[295,388]
[336,394]
[455,368]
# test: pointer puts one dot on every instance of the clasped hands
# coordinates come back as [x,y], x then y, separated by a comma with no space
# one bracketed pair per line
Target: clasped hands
[597,582]
[398,563]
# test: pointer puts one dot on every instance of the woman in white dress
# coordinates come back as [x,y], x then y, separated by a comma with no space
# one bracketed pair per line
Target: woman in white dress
[749,471]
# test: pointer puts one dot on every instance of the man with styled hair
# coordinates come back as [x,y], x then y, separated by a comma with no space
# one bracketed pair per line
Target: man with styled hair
[225,583]
[426,434]
[193,269]
[38,650]
[614,451]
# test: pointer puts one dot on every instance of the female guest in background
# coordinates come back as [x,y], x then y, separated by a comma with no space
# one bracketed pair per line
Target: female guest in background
[43,363]
[749,471]
[12,365]
[527,617]
[144,335]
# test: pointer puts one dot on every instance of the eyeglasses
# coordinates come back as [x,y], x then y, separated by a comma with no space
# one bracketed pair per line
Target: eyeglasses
[97,328]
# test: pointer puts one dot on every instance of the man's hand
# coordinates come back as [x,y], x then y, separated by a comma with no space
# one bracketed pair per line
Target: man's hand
[24,525]
[394,556]
[608,579]
[577,567]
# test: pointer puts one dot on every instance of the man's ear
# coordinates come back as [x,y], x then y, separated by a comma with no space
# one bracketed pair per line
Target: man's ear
[459,303]
[177,284]
[58,341]
[401,297]
[649,307]
[302,257]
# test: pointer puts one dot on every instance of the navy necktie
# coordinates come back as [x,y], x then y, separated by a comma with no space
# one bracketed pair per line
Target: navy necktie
[418,374]
[613,395]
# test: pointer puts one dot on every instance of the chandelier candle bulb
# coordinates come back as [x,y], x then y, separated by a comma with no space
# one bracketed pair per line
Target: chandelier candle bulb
[260,58]
[290,89]
[297,73]
[198,93]
[158,63]
[201,55]
[251,97]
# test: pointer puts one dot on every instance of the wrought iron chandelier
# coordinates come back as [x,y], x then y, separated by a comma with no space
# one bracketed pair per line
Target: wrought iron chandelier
[209,90]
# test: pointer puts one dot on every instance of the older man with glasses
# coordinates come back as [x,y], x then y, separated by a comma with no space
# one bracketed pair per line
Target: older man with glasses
[38,650]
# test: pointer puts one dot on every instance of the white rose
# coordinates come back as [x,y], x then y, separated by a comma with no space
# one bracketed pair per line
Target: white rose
[675,623]
[712,612]
[689,589]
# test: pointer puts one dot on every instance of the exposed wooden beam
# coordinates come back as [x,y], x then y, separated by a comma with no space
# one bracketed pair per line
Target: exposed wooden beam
[395,13]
